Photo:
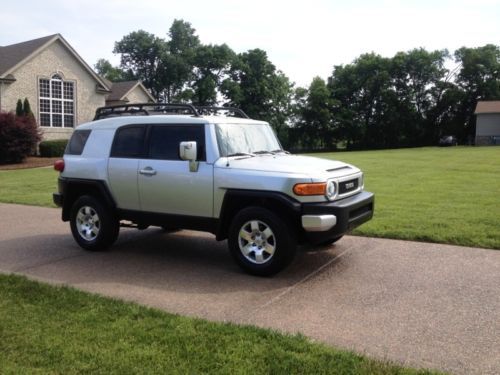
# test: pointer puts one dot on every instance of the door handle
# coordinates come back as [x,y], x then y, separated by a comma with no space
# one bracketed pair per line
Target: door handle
[148,171]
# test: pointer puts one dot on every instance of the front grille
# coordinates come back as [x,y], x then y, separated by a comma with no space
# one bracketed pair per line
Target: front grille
[348,186]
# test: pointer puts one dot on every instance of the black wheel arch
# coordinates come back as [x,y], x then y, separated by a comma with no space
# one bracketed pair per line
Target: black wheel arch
[72,188]
[237,199]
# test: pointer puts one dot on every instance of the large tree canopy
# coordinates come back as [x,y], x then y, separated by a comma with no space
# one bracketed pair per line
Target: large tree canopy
[255,85]
[141,54]
[409,99]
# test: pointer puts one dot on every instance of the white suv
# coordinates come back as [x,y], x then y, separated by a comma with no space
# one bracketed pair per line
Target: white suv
[177,166]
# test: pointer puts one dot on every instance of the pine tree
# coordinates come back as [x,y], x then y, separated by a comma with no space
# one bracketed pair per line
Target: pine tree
[27,108]
[19,108]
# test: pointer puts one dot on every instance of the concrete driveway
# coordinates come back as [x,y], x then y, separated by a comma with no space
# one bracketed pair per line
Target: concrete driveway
[423,305]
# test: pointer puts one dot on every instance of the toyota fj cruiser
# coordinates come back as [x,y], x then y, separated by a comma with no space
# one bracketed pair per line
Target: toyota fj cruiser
[179,166]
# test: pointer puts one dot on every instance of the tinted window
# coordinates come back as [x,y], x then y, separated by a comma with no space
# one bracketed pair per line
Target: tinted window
[77,142]
[165,141]
[129,142]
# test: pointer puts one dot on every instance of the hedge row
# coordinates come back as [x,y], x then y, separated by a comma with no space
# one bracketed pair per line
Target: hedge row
[54,148]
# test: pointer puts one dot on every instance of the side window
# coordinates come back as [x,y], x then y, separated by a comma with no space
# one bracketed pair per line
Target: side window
[164,141]
[77,142]
[129,142]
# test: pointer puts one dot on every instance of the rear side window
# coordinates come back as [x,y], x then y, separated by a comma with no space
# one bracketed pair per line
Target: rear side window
[129,142]
[165,140]
[77,142]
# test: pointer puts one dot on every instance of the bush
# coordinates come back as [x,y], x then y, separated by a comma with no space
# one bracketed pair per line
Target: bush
[19,108]
[27,108]
[19,136]
[54,148]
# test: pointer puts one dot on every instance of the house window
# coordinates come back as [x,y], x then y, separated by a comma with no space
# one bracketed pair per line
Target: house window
[57,102]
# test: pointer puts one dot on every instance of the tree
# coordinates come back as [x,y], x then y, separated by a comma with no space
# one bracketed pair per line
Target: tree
[178,61]
[316,120]
[416,75]
[392,102]
[105,69]
[365,102]
[211,65]
[23,108]
[141,54]
[19,108]
[27,108]
[259,89]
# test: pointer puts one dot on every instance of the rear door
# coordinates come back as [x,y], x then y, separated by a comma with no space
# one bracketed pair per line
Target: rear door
[127,150]
[166,185]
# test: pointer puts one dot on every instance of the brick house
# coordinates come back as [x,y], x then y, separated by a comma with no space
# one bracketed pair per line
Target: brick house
[63,90]
[488,122]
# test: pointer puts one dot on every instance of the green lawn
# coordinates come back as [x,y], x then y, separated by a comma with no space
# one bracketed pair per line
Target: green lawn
[448,195]
[28,186]
[47,329]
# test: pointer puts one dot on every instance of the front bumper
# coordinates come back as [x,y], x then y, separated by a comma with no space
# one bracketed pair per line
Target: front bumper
[345,215]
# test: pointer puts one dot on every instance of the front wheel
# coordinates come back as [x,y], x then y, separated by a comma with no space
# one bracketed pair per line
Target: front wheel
[93,225]
[261,242]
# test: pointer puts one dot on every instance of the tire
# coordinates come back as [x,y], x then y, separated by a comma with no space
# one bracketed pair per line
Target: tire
[261,242]
[93,225]
[330,242]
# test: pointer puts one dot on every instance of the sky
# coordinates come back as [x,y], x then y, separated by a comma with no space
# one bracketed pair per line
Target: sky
[303,39]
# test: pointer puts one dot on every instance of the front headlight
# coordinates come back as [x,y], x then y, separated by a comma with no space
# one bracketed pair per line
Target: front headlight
[331,189]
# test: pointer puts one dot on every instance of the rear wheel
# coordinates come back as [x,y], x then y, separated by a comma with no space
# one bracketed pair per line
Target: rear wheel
[93,225]
[261,242]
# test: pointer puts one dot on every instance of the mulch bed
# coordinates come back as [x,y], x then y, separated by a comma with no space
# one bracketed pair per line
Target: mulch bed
[30,162]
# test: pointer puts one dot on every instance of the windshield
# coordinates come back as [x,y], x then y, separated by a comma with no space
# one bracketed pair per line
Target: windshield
[240,139]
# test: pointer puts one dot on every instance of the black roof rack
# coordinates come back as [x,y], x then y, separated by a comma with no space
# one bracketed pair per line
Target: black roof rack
[162,108]
[144,109]
[212,110]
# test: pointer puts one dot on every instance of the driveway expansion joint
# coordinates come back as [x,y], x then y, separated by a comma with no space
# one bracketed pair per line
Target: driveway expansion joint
[302,281]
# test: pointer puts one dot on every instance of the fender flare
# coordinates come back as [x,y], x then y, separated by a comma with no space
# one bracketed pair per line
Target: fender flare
[237,199]
[72,188]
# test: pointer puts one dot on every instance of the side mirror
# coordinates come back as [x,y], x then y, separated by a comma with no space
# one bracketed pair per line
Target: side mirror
[188,151]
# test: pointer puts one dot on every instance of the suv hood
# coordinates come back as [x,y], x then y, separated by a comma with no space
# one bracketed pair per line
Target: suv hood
[313,167]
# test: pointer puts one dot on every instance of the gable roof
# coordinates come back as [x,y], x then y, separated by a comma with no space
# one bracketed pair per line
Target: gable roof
[492,106]
[119,90]
[14,55]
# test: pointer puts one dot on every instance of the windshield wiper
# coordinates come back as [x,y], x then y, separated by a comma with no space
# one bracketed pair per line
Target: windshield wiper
[263,152]
[279,151]
[240,154]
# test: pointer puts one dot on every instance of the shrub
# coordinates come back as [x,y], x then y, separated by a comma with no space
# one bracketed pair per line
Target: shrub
[27,108]
[53,148]
[19,136]
[19,108]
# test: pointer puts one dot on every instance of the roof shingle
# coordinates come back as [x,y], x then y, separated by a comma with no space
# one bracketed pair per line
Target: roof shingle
[120,89]
[13,54]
